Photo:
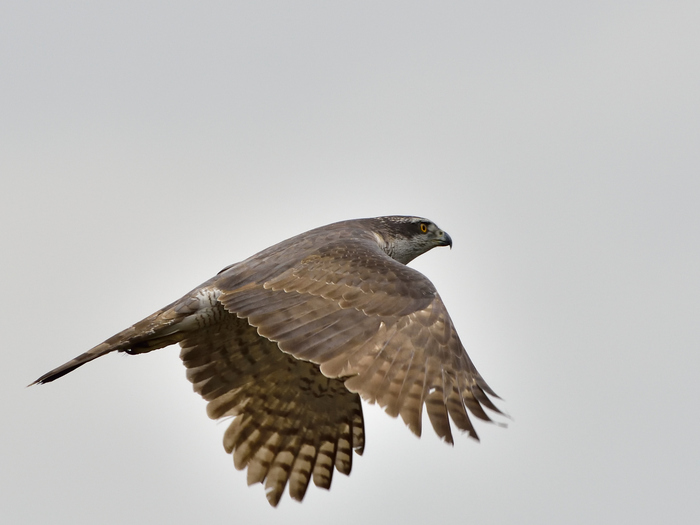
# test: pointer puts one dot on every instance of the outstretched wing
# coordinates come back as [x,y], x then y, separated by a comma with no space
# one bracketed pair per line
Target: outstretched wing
[290,422]
[371,320]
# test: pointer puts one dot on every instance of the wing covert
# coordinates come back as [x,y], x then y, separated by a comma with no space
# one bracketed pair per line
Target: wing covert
[376,323]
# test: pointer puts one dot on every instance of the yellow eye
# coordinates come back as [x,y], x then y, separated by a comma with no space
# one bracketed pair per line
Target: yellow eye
[423,227]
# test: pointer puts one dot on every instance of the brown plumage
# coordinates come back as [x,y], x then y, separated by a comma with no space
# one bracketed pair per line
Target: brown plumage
[287,341]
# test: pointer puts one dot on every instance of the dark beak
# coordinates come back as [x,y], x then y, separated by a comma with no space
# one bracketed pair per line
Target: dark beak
[444,239]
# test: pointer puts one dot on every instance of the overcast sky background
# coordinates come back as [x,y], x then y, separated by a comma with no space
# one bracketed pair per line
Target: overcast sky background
[146,145]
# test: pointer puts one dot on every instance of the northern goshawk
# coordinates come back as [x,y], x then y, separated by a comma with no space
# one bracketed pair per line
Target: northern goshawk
[288,341]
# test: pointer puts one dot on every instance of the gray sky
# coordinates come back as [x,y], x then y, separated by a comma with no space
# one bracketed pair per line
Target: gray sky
[145,145]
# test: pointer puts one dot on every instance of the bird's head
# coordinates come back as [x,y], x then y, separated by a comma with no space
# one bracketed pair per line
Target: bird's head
[405,238]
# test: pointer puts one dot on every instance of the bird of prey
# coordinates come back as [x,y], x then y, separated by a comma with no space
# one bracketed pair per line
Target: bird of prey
[287,341]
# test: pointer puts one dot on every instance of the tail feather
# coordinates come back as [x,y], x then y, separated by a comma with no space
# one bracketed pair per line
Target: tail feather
[71,365]
[152,333]
[136,345]
[163,328]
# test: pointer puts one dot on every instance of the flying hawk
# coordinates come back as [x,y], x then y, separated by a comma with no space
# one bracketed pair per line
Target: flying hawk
[288,341]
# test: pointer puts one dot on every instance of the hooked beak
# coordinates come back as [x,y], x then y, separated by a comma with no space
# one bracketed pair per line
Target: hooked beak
[444,239]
